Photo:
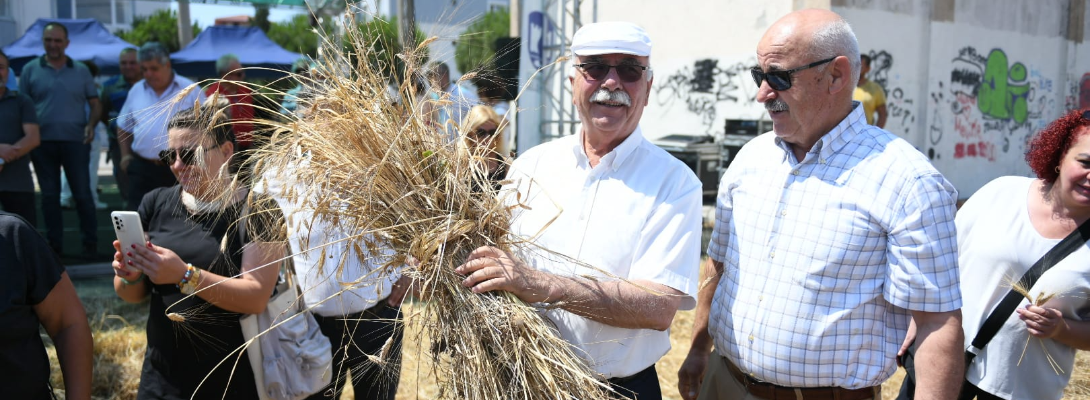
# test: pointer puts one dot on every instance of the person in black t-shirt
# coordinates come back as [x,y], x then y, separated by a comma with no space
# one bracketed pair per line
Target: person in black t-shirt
[200,272]
[36,292]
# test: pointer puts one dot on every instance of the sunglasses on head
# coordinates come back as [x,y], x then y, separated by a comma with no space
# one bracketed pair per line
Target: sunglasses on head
[626,72]
[781,80]
[188,155]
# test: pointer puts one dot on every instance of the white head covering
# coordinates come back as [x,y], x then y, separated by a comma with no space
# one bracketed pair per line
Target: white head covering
[613,37]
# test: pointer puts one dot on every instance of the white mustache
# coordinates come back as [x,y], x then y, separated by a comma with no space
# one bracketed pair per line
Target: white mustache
[603,95]
[775,105]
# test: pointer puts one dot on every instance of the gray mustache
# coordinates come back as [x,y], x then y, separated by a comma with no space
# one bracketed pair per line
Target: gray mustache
[775,105]
[602,95]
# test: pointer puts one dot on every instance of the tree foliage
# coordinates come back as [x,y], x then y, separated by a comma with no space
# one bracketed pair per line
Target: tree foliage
[384,38]
[297,35]
[161,26]
[476,49]
[261,17]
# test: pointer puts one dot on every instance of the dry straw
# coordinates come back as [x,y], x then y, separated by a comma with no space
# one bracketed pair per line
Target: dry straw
[375,165]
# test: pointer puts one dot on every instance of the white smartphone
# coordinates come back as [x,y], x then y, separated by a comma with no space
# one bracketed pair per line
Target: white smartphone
[129,231]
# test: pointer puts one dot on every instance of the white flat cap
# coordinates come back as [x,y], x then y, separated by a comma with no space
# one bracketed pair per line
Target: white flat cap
[611,38]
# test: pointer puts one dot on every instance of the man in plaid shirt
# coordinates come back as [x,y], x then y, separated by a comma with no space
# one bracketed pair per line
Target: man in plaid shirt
[830,236]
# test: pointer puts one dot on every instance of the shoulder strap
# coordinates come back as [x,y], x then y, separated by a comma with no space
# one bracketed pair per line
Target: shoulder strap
[1009,303]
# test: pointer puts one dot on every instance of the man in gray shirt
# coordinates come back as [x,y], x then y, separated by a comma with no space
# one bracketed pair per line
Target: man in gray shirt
[18,136]
[62,89]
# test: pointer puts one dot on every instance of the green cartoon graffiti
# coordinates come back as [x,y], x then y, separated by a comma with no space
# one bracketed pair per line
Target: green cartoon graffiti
[1003,91]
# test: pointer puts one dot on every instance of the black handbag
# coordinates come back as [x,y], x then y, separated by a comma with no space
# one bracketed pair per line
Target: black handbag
[1006,307]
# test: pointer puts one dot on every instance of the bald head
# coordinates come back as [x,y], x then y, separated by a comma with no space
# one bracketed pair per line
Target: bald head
[818,34]
[811,61]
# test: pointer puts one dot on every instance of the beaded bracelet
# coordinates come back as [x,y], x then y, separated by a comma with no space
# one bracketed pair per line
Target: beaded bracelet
[188,285]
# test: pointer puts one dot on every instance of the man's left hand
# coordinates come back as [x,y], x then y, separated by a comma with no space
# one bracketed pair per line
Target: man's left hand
[488,268]
[88,134]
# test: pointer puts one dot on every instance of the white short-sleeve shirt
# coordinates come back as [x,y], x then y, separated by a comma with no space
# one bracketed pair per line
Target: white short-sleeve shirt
[146,114]
[636,215]
[335,278]
[998,245]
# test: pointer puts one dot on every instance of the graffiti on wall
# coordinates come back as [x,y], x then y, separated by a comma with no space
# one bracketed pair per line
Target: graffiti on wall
[996,104]
[899,108]
[1078,93]
[704,86]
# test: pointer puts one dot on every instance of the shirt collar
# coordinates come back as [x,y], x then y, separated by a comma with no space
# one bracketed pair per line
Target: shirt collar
[834,140]
[173,83]
[67,61]
[616,158]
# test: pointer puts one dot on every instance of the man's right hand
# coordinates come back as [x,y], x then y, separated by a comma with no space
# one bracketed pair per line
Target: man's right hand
[8,152]
[691,374]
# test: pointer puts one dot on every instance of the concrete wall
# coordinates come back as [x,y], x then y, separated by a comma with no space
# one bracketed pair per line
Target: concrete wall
[701,56]
[968,81]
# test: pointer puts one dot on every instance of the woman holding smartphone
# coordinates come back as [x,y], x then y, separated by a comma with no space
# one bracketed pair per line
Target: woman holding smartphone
[198,269]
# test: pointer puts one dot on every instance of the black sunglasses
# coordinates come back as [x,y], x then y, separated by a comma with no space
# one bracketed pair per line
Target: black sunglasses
[484,132]
[781,80]
[627,72]
[187,154]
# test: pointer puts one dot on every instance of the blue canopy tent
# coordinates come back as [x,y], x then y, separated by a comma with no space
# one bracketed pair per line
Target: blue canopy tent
[88,40]
[250,44]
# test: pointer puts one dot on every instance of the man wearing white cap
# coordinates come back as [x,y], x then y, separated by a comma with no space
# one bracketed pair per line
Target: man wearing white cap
[614,221]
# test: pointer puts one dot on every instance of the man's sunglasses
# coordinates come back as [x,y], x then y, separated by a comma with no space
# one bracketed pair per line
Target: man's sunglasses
[627,72]
[188,155]
[781,80]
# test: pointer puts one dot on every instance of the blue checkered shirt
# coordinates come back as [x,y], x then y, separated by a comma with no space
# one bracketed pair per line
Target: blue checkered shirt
[823,258]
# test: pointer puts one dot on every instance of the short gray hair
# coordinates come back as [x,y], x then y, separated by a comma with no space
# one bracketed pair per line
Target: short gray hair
[837,39]
[153,51]
[224,62]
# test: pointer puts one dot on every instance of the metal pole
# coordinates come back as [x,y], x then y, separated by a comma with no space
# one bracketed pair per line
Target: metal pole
[407,23]
[185,28]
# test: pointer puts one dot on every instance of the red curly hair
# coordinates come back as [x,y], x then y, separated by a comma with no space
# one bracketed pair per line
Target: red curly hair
[1048,147]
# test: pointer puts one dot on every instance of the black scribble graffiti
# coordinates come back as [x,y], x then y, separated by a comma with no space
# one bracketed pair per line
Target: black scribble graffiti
[880,64]
[897,106]
[703,86]
[969,54]
[935,130]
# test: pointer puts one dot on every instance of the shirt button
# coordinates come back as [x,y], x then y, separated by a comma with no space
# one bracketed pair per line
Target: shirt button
[795,172]
[783,213]
[772,255]
[822,161]
[761,298]
[751,337]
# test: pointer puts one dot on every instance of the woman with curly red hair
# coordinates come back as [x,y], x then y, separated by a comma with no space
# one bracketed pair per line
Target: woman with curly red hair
[1002,231]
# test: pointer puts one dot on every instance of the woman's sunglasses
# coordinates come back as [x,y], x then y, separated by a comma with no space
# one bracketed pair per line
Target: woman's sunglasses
[781,80]
[188,155]
[483,133]
[627,72]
